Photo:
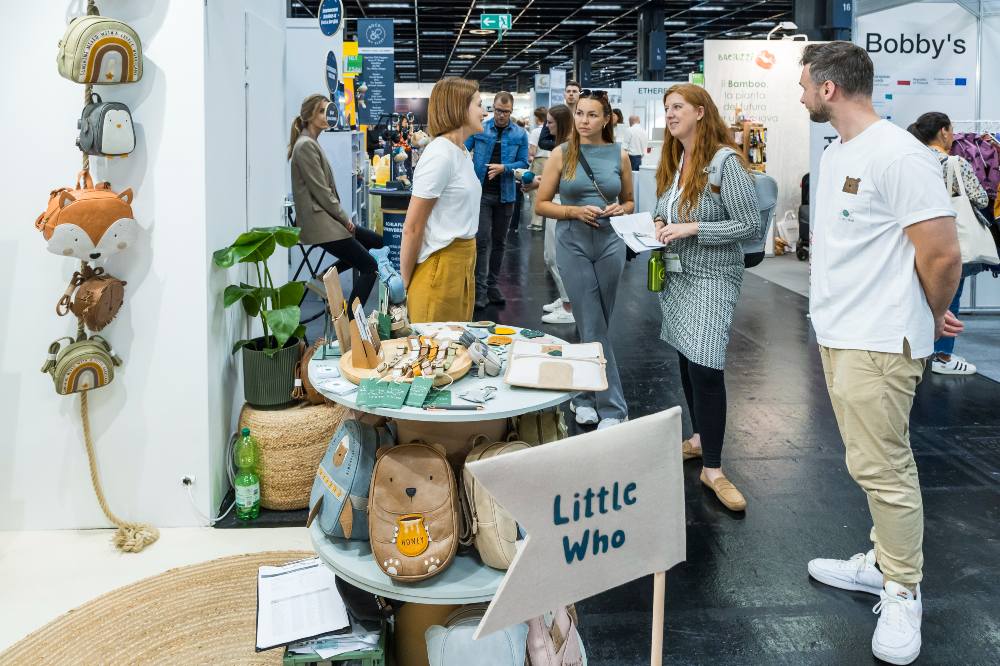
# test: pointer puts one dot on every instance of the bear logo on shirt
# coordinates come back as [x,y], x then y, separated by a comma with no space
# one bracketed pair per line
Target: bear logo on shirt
[851,185]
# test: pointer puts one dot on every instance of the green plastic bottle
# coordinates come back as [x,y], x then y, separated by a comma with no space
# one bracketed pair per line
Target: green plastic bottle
[247,483]
[656,271]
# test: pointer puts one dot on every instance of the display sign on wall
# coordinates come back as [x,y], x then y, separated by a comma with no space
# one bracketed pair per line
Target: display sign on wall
[557,86]
[925,57]
[332,77]
[331,17]
[374,87]
[761,77]
[594,521]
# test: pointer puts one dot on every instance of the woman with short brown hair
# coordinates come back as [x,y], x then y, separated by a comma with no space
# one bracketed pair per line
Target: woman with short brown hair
[438,254]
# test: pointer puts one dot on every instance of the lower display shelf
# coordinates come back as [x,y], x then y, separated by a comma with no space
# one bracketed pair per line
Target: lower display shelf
[466,581]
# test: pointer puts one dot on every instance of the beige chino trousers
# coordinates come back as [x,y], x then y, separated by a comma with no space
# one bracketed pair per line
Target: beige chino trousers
[872,394]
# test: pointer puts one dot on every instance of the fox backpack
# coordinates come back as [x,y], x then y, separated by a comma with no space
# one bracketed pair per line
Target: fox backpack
[88,222]
[98,49]
[339,495]
[413,512]
[105,128]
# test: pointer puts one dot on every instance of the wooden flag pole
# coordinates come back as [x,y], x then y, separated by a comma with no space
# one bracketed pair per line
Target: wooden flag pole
[659,597]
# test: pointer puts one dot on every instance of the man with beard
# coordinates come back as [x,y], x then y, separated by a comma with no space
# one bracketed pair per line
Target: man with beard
[885,262]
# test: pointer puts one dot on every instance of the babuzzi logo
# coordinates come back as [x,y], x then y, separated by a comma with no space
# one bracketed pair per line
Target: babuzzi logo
[876,43]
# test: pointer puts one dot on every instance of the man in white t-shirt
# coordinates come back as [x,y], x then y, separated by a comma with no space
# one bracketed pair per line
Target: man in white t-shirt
[637,142]
[885,263]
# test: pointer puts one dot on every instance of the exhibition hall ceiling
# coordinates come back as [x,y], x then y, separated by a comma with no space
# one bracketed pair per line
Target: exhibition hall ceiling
[436,38]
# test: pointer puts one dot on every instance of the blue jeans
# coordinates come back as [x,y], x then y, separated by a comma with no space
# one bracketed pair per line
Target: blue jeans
[946,346]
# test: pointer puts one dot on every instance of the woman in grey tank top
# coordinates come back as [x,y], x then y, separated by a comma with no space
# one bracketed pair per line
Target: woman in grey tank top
[593,177]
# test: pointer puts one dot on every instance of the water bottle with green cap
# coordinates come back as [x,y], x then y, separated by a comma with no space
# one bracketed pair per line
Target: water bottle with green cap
[247,483]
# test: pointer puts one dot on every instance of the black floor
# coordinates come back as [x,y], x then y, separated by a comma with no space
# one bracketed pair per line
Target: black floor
[743,596]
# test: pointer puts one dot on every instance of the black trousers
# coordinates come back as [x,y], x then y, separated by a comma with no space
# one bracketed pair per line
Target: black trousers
[636,161]
[705,392]
[491,241]
[353,253]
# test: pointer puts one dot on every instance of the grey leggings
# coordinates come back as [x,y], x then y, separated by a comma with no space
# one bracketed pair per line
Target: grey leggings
[550,258]
[591,262]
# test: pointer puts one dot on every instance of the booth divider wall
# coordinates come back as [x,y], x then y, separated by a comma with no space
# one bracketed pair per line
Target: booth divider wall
[169,411]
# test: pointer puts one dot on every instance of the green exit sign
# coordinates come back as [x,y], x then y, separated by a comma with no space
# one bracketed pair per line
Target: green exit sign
[500,22]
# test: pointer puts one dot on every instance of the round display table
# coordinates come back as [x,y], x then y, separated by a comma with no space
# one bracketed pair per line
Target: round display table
[466,580]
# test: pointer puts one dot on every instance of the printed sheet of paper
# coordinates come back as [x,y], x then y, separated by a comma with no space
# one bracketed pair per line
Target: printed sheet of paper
[637,230]
[296,601]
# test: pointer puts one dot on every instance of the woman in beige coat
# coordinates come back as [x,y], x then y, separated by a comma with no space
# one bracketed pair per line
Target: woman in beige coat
[318,212]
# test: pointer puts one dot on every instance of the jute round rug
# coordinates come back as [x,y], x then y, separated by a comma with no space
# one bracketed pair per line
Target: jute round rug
[200,614]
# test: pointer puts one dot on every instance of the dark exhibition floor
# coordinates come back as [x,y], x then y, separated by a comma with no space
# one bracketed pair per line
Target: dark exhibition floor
[743,596]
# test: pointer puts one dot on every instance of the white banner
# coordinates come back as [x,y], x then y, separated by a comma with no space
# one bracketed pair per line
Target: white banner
[925,60]
[762,78]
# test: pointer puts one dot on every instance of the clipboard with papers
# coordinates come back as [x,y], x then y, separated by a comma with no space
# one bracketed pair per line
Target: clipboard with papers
[297,601]
[638,232]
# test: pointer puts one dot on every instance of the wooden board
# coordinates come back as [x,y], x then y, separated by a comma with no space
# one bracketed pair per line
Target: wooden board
[460,368]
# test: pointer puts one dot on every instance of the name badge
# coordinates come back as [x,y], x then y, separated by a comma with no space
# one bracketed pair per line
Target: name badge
[673,262]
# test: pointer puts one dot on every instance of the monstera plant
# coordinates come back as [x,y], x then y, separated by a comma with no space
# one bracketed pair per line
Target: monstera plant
[269,360]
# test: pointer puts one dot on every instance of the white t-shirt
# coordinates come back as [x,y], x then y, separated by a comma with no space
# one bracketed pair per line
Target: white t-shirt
[636,140]
[864,291]
[533,138]
[445,172]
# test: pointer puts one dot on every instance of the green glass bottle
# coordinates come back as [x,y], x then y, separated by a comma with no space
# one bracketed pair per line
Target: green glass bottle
[656,271]
[247,483]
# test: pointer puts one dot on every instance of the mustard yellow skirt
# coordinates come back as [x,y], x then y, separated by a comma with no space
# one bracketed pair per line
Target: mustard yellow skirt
[443,287]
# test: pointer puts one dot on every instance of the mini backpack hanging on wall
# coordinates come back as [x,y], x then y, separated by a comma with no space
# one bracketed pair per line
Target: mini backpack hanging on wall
[83,365]
[97,300]
[98,49]
[105,128]
[88,222]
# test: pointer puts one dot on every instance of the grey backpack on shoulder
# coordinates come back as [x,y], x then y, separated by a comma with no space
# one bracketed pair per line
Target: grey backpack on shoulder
[105,128]
[767,201]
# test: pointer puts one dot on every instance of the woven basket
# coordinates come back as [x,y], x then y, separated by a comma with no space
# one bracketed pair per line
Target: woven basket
[292,442]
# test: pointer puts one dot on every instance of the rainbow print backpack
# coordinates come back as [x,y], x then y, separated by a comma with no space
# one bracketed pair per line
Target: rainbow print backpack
[84,364]
[98,49]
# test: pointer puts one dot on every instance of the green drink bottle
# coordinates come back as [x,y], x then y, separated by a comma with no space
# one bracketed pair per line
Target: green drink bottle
[656,271]
[247,483]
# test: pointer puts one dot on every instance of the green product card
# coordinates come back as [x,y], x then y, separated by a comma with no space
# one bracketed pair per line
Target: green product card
[374,393]
[384,326]
[438,398]
[419,389]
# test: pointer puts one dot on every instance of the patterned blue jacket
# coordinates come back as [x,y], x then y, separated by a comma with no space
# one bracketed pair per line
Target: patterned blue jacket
[513,155]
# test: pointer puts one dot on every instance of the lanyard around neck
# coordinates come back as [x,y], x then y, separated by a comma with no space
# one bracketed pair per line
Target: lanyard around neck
[674,193]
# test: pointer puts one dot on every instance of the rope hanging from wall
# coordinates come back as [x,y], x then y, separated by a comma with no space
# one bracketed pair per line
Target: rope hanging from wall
[131,537]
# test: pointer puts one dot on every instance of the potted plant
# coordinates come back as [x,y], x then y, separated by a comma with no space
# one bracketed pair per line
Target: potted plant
[268,361]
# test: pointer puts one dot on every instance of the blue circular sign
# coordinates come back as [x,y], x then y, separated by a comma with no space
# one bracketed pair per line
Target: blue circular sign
[331,16]
[332,74]
[333,115]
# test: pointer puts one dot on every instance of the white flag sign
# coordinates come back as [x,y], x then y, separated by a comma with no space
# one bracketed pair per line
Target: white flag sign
[600,510]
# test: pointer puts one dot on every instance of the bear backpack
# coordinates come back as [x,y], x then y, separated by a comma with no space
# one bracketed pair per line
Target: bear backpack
[339,495]
[89,222]
[413,512]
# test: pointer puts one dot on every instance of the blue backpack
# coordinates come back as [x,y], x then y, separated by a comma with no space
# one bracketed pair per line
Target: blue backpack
[767,201]
[339,495]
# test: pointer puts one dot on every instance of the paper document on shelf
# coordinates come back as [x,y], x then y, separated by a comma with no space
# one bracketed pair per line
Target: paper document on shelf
[637,230]
[296,601]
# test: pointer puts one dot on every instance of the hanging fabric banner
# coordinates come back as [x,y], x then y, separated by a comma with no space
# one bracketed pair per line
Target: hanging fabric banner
[374,88]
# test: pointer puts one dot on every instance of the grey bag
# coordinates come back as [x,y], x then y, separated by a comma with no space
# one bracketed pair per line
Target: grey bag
[105,128]
[767,199]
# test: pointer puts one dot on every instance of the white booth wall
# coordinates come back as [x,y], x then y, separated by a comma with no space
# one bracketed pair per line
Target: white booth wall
[170,408]
[929,74]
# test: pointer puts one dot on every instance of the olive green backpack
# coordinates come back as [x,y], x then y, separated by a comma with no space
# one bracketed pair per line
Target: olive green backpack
[82,365]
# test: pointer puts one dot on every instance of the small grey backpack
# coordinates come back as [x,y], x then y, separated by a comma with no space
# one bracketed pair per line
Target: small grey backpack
[767,200]
[105,128]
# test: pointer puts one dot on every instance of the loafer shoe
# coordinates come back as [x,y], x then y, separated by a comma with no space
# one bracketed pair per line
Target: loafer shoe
[689,451]
[727,493]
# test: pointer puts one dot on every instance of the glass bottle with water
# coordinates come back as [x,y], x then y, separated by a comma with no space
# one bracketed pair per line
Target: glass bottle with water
[247,483]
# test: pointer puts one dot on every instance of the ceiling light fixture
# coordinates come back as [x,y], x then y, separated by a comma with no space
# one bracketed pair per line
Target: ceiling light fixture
[600,8]
[437,33]
[603,33]
[478,31]
[707,8]
[435,56]
[684,34]
[673,22]
[760,24]
[737,33]
[465,56]
[402,20]
[579,22]
[390,5]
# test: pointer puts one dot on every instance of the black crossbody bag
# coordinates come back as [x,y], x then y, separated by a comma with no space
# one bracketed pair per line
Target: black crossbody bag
[629,253]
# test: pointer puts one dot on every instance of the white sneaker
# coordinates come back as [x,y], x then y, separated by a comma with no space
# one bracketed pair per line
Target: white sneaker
[560,316]
[897,635]
[553,306]
[584,415]
[609,423]
[956,366]
[858,573]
